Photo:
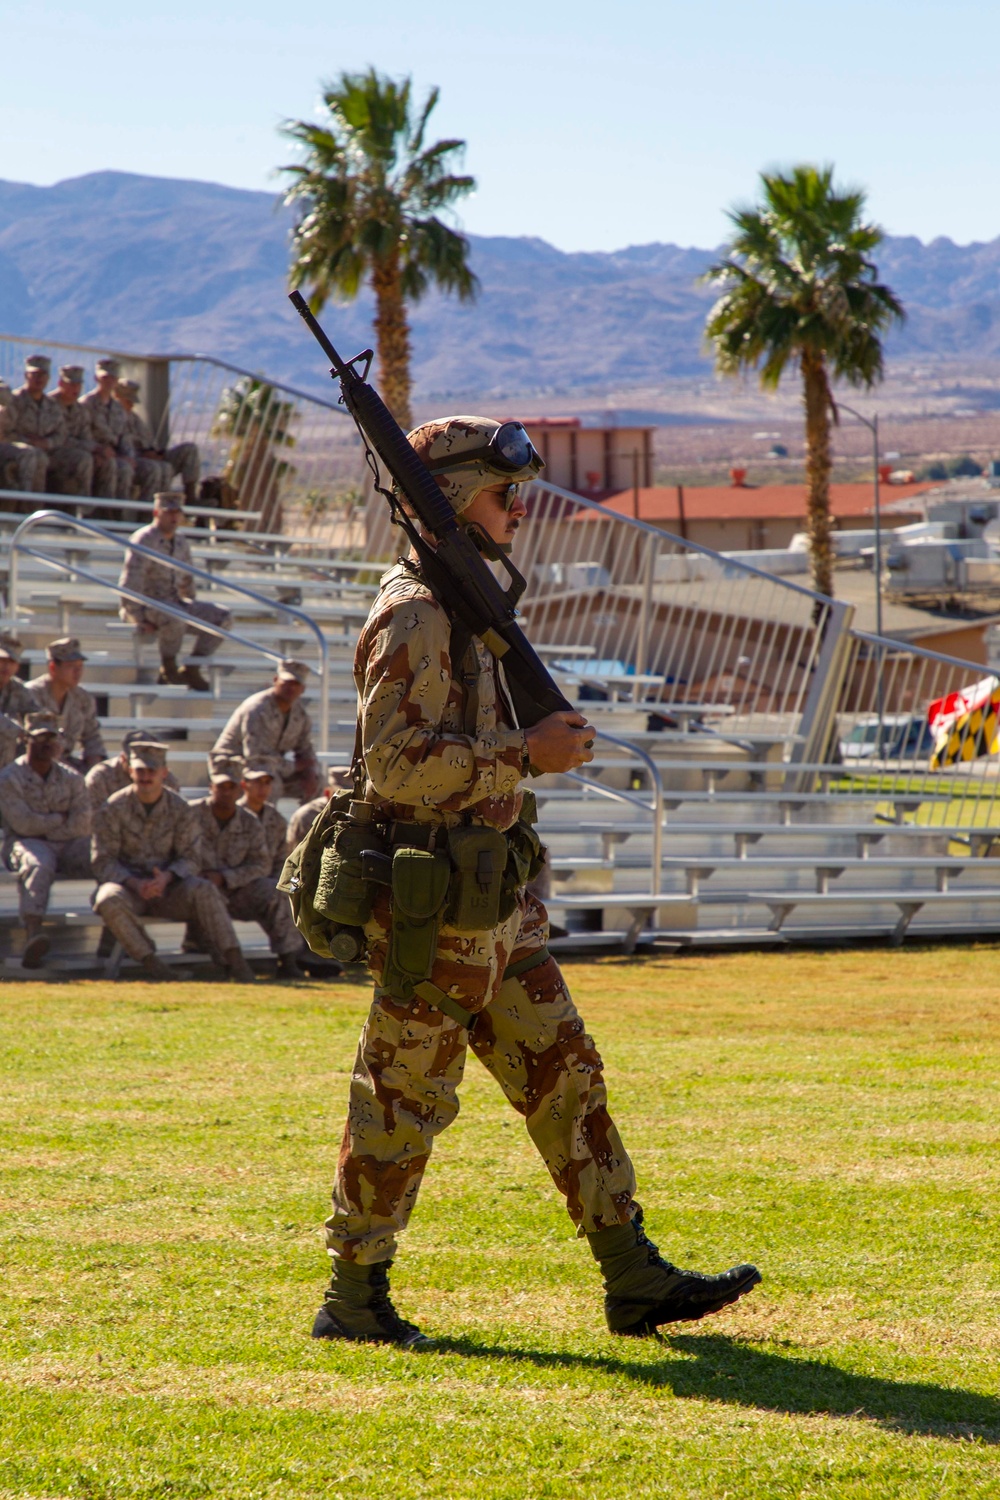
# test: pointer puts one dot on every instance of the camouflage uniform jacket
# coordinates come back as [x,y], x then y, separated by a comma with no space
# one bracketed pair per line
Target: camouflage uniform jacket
[110,776]
[236,848]
[259,731]
[16,700]
[10,736]
[107,420]
[54,807]
[433,750]
[130,839]
[77,717]
[77,421]
[275,833]
[301,821]
[138,434]
[28,418]
[152,578]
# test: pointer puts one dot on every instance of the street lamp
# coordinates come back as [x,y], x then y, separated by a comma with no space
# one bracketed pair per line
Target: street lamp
[872,425]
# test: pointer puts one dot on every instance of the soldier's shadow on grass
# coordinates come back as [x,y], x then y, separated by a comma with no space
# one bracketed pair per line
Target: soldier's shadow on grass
[717,1368]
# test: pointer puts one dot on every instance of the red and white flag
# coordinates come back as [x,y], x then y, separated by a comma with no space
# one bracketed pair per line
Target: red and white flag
[945,712]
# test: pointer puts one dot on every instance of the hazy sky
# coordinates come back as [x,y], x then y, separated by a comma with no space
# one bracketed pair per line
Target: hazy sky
[591,125]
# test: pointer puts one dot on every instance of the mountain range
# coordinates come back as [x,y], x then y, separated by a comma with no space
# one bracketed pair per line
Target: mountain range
[160,265]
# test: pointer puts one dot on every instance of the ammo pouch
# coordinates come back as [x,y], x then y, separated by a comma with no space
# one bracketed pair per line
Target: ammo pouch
[419,882]
[525,856]
[479,858]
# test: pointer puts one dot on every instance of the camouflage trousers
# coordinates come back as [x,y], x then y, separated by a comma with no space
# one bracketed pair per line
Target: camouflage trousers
[23,467]
[151,475]
[112,477]
[184,901]
[260,901]
[182,459]
[170,631]
[71,470]
[410,1062]
[37,862]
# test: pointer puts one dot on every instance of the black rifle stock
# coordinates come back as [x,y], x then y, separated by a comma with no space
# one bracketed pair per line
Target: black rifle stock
[454,569]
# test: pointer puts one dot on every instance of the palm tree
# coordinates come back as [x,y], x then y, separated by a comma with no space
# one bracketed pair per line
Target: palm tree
[256,420]
[799,287]
[370,191]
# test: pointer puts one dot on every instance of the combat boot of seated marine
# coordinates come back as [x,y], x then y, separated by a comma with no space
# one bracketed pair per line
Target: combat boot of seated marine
[642,1290]
[357,1306]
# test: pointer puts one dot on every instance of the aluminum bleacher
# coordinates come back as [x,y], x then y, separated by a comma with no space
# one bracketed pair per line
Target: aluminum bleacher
[724,804]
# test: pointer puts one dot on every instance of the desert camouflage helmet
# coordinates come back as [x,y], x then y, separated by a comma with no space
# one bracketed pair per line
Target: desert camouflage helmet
[442,443]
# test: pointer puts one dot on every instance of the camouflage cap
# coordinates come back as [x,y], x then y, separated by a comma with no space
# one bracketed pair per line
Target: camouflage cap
[219,777]
[66,649]
[168,500]
[137,737]
[38,362]
[129,388]
[292,671]
[148,753]
[107,367]
[256,771]
[340,777]
[36,726]
[72,374]
[10,647]
[449,438]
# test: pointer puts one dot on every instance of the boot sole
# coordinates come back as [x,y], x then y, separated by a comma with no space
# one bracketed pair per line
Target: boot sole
[646,1325]
[326,1326]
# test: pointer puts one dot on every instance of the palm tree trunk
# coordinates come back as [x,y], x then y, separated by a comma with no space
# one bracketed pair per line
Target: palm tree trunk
[392,334]
[816,399]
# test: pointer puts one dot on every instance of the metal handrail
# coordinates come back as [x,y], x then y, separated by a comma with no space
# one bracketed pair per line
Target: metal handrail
[655,807]
[738,565]
[17,545]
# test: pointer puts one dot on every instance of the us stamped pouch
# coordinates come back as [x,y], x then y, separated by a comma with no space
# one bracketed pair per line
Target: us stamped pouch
[479,857]
[419,892]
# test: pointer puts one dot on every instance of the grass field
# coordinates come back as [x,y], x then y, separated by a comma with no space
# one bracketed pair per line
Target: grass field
[834,1117]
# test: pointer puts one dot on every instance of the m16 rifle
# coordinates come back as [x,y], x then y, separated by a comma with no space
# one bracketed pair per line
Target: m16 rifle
[454,568]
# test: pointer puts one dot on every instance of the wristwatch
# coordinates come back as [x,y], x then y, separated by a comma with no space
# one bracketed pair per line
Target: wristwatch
[525,757]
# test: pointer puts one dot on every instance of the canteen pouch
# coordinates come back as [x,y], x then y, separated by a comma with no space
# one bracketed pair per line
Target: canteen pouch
[419,892]
[479,857]
[343,893]
[300,876]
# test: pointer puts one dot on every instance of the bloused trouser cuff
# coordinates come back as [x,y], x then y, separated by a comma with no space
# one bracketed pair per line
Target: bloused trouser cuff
[184,901]
[404,1092]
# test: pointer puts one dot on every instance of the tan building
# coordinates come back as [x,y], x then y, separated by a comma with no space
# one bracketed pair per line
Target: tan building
[738,518]
[592,461]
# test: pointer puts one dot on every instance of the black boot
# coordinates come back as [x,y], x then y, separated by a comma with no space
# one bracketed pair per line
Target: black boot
[643,1290]
[357,1306]
[194,679]
[287,967]
[170,673]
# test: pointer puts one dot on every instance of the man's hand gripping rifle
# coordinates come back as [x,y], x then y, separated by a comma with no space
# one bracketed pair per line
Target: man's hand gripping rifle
[454,569]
